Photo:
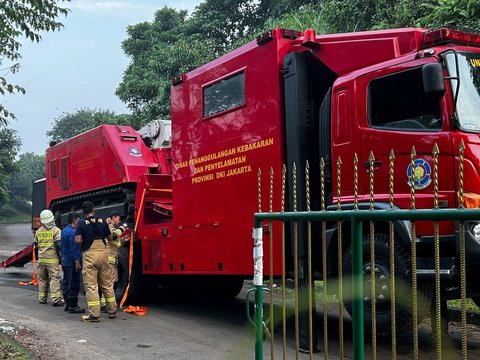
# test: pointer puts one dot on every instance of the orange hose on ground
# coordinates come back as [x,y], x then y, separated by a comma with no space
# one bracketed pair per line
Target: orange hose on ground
[34,280]
[136,310]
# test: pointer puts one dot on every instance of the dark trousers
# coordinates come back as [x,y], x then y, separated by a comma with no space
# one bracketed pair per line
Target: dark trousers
[71,285]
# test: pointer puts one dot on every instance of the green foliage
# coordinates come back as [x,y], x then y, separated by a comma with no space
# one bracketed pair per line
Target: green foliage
[308,16]
[29,167]
[10,213]
[335,16]
[13,350]
[71,124]
[9,146]
[276,9]
[223,21]
[358,15]
[27,18]
[159,52]
[463,14]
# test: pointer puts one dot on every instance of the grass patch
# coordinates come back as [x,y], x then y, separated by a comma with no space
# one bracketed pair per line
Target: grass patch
[15,214]
[12,350]
[456,304]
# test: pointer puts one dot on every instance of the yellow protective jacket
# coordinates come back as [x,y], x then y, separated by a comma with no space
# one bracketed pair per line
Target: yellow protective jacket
[45,242]
[117,232]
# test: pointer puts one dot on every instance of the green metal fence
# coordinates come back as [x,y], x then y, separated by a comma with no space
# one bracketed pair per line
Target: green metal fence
[356,218]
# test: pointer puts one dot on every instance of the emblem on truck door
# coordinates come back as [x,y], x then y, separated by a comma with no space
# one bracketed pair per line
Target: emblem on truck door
[421,174]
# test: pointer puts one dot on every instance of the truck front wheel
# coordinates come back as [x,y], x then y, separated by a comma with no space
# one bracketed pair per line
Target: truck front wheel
[383,284]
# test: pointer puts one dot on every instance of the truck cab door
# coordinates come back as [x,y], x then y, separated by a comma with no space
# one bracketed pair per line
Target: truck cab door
[395,114]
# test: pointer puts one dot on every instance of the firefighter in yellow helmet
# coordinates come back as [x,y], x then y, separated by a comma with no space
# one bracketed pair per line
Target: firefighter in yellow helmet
[47,241]
[91,234]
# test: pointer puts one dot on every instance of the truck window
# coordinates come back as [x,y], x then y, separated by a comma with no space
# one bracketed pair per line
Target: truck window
[53,168]
[224,94]
[65,183]
[398,102]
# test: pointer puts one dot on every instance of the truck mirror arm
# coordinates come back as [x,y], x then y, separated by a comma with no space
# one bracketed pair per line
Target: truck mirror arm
[457,78]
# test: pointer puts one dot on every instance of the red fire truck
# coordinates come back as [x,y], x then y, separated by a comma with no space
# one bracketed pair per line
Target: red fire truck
[288,97]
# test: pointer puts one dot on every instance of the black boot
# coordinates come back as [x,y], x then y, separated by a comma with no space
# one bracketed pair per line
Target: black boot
[74,308]
[67,305]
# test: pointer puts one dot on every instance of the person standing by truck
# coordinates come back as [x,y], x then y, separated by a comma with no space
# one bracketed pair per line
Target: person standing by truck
[114,245]
[71,266]
[90,234]
[47,241]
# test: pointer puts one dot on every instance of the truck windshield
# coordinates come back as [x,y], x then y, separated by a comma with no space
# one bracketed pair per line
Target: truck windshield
[468,103]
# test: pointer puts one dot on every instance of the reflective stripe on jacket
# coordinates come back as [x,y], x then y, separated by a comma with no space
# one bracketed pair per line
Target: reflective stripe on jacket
[45,239]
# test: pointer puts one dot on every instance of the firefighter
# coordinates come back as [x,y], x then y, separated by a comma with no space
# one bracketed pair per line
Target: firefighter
[90,234]
[47,241]
[71,266]
[114,245]
[117,230]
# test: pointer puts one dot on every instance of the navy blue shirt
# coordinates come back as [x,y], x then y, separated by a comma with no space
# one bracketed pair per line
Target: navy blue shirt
[70,250]
[91,229]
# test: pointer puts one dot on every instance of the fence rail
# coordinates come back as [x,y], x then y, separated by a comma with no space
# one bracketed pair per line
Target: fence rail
[387,287]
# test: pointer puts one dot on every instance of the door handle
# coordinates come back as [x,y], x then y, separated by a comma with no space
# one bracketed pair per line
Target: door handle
[376,164]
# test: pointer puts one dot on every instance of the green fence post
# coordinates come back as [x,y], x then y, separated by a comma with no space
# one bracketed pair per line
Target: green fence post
[258,283]
[357,290]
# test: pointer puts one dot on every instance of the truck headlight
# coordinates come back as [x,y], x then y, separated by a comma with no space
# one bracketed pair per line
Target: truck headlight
[471,200]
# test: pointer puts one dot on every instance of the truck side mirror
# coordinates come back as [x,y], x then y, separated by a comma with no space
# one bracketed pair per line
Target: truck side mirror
[433,80]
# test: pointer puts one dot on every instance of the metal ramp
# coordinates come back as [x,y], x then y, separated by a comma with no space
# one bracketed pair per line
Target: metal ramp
[19,259]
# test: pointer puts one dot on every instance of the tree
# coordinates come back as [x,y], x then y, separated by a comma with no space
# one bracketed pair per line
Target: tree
[307,16]
[223,21]
[360,15]
[464,14]
[27,18]
[71,124]
[159,52]
[30,167]
[9,146]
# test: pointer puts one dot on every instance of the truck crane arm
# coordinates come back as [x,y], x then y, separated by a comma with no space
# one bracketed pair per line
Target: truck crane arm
[157,134]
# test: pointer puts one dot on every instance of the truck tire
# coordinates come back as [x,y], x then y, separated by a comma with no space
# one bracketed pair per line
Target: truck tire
[233,288]
[217,287]
[225,287]
[403,264]
[134,292]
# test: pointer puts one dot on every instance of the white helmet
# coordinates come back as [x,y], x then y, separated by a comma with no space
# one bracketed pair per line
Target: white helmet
[46,217]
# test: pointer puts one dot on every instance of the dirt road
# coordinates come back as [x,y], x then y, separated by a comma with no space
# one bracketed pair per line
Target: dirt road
[172,329]
[175,328]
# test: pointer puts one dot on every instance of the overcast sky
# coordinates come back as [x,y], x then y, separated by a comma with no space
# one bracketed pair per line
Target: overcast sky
[77,67]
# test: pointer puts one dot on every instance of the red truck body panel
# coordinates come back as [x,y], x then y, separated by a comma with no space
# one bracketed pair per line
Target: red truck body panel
[215,162]
[103,157]
[195,202]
